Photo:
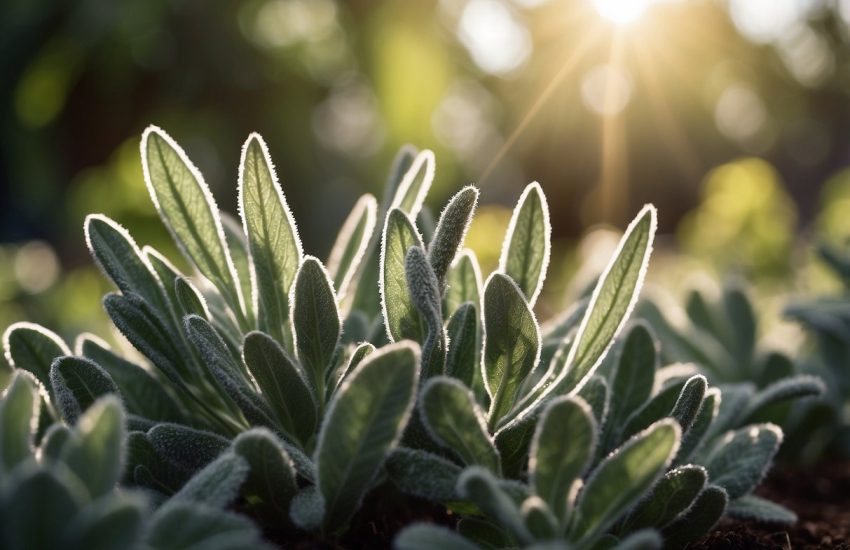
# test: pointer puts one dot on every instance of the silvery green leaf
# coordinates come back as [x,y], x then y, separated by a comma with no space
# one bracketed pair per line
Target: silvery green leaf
[623,478]
[463,282]
[671,496]
[189,299]
[511,343]
[425,294]
[451,231]
[631,384]
[400,315]
[563,446]
[180,525]
[702,516]
[795,387]
[480,486]
[53,441]
[645,539]
[118,256]
[742,458]
[283,384]
[484,533]
[272,235]
[363,423]
[218,483]
[752,507]
[455,420]
[596,394]
[112,523]
[689,402]
[237,243]
[315,321]
[423,474]
[741,319]
[357,356]
[147,467]
[426,536]
[307,510]
[95,451]
[272,473]
[352,242]
[18,407]
[539,519]
[514,442]
[696,434]
[464,337]
[77,383]
[33,348]
[187,449]
[414,186]
[526,248]
[659,406]
[188,210]
[734,401]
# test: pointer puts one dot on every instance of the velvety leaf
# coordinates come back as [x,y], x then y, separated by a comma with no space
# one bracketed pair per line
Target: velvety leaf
[77,383]
[189,299]
[563,446]
[352,242]
[272,473]
[671,496]
[95,451]
[237,243]
[700,426]
[455,420]
[463,282]
[179,525]
[702,516]
[526,248]
[741,459]
[360,353]
[400,315]
[363,423]
[658,407]
[632,382]
[188,210]
[734,401]
[596,394]
[53,441]
[414,186]
[646,539]
[538,518]
[425,536]
[480,486]
[451,231]
[425,293]
[795,387]
[218,483]
[689,402]
[423,474]
[33,348]
[308,508]
[112,523]
[18,407]
[464,343]
[742,321]
[752,507]
[186,448]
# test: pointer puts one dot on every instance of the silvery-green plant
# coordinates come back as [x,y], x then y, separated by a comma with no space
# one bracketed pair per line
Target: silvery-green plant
[62,493]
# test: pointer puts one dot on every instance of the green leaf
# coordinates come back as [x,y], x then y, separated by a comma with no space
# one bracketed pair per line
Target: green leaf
[659,406]
[631,384]
[539,519]
[455,420]
[181,525]
[451,231]
[189,299]
[95,451]
[53,441]
[463,282]
[77,383]
[188,210]
[187,449]
[363,423]
[112,523]
[752,507]
[18,407]
[647,539]
[596,394]
[511,343]
[623,478]
[741,319]
[315,321]
[526,248]
[308,508]
[689,402]
[464,343]
[283,384]
[423,474]
[363,350]
[272,473]
[481,487]
[415,184]
[400,315]
[218,483]
[563,446]
[671,496]
[794,387]
[352,242]
[33,348]
[741,459]
[702,516]
[696,434]
[425,293]
[425,536]
[272,235]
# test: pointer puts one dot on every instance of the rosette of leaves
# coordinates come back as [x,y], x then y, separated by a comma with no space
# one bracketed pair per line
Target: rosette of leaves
[62,492]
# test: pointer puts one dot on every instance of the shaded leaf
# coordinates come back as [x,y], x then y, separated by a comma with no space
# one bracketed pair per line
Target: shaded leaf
[741,459]
[423,474]
[525,251]
[218,483]
[352,242]
[451,231]
[18,407]
[400,315]
[77,383]
[95,451]
[423,536]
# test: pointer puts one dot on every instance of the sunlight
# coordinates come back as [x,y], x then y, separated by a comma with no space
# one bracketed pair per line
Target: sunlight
[621,12]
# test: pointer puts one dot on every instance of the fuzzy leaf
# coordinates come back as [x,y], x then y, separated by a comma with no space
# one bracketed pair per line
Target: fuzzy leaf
[400,315]
[538,518]
[179,525]
[272,473]
[352,242]
[632,382]
[702,516]
[53,441]
[525,251]
[33,348]
[187,449]
[689,402]
[671,496]
[795,387]
[218,483]
[479,486]
[455,420]
[424,536]
[95,451]
[363,423]
[77,383]
[112,523]
[741,459]
[308,508]
[360,353]
[511,343]
[463,282]
[414,186]
[189,299]
[752,507]
[596,394]
[623,478]
[423,474]
[563,446]
[695,435]
[425,294]
[283,385]
[451,231]
[646,539]
[18,407]
[659,406]
[464,343]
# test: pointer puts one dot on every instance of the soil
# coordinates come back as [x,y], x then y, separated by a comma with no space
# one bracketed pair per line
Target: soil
[820,496]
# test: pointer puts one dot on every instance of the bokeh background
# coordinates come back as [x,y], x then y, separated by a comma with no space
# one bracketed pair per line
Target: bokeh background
[730,115]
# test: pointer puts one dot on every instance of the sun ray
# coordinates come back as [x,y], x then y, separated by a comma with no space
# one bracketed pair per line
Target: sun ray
[613,184]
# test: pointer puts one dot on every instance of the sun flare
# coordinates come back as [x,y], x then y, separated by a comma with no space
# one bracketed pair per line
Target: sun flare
[621,12]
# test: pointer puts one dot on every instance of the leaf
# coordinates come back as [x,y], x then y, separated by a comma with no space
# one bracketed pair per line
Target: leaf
[423,474]
[95,451]
[352,242]
[400,315]
[188,210]
[455,420]
[623,478]
[794,387]
[752,507]
[742,321]
[33,348]
[741,459]
[424,536]
[77,383]
[182,525]
[53,441]
[511,343]
[733,403]
[112,523]
[671,496]
[658,407]
[363,423]
[187,449]
[272,473]
[451,231]
[703,515]
[526,248]
[563,446]
[283,385]
[315,321]
[596,394]
[360,353]
[272,235]
[631,384]
[218,483]
[689,402]
[647,539]
[700,426]
[18,407]
[308,508]
[237,243]
[463,282]
[538,518]
[463,342]
[414,186]
[189,299]
[425,293]
[480,486]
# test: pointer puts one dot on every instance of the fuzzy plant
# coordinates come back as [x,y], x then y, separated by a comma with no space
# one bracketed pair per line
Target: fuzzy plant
[63,492]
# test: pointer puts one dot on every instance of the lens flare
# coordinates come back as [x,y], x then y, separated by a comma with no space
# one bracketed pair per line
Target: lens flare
[621,12]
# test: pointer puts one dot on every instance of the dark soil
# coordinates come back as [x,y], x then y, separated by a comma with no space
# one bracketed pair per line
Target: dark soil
[821,498]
